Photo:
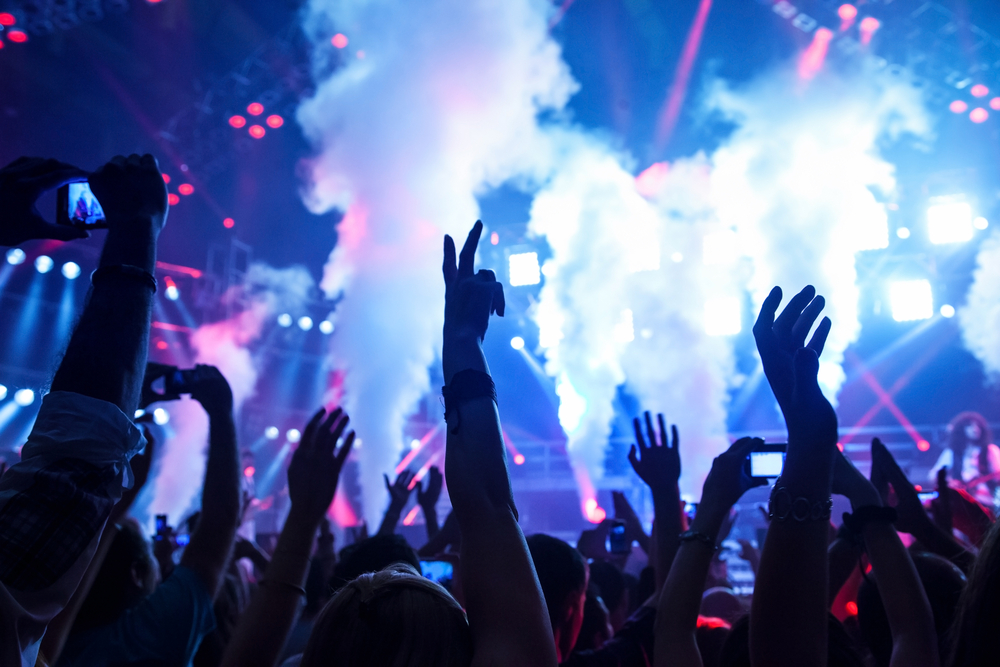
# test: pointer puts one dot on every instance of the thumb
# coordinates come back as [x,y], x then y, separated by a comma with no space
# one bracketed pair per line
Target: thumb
[58,232]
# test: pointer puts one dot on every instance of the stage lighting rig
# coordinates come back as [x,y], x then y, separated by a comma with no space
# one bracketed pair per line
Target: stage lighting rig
[523,269]
[911,300]
[949,221]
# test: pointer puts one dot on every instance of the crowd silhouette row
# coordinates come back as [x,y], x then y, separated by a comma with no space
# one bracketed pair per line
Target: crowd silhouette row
[81,583]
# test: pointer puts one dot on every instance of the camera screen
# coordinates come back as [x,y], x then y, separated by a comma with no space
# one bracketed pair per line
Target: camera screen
[83,207]
[437,570]
[766,464]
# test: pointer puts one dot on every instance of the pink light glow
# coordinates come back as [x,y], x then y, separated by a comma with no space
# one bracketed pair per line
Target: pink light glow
[814,56]
[339,40]
[958,106]
[411,516]
[979,90]
[650,180]
[675,98]
[868,26]
[847,12]
[979,115]
[995,103]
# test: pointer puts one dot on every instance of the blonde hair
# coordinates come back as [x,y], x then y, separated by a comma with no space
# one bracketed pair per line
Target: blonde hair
[392,618]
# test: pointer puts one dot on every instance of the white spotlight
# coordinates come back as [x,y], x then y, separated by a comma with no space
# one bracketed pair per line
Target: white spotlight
[980,223]
[624,331]
[911,300]
[523,269]
[161,416]
[293,435]
[172,292]
[414,444]
[15,256]
[326,327]
[24,397]
[723,317]
[720,248]
[903,232]
[947,310]
[3,392]
[71,270]
[138,413]
[517,343]
[305,323]
[949,223]
[271,433]
[677,258]
[43,263]
[284,320]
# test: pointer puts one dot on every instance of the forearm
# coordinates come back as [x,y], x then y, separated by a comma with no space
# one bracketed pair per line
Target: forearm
[430,521]
[666,505]
[788,618]
[389,520]
[263,629]
[939,542]
[212,542]
[903,596]
[843,558]
[680,600]
[106,355]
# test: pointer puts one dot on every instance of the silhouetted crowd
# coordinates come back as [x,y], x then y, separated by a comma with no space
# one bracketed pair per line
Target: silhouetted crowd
[81,583]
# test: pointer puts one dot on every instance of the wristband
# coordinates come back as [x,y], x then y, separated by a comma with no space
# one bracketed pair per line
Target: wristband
[124,270]
[695,536]
[465,386]
[857,521]
[783,507]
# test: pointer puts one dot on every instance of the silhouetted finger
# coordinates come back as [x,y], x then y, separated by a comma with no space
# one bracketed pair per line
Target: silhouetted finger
[499,303]
[786,320]
[637,425]
[310,434]
[467,260]
[449,269]
[663,429]
[650,432]
[676,437]
[765,319]
[345,449]
[818,340]
[805,321]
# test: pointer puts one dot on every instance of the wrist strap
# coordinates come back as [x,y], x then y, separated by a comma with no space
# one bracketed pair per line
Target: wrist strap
[695,536]
[857,521]
[783,506]
[465,386]
[126,271]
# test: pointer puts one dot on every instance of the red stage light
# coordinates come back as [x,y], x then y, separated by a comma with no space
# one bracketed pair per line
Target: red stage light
[917,487]
[237,121]
[979,115]
[995,103]
[161,345]
[840,446]
[519,459]
[166,178]
[249,471]
[228,223]
[255,108]
[1,43]
[17,36]
[852,608]
[256,131]
[185,189]
[7,19]
[979,90]
[173,199]
[923,445]
[958,106]
[275,121]
[339,40]
[847,12]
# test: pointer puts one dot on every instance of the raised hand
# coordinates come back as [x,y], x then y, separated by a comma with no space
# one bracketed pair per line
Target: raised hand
[154,372]
[792,366]
[913,518]
[624,511]
[131,190]
[727,481]
[315,468]
[428,496]
[850,483]
[399,491]
[654,459]
[22,182]
[212,390]
[470,298]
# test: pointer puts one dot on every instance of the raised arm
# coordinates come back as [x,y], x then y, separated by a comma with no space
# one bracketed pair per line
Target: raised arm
[677,612]
[913,519]
[914,639]
[212,542]
[399,493]
[504,602]
[427,499]
[788,616]
[313,473]
[658,464]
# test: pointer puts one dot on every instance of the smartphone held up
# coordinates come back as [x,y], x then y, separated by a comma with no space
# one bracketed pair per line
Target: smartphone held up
[77,206]
[766,461]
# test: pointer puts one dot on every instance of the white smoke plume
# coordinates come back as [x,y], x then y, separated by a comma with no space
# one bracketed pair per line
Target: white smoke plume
[980,317]
[442,106]
[798,180]
[227,345]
